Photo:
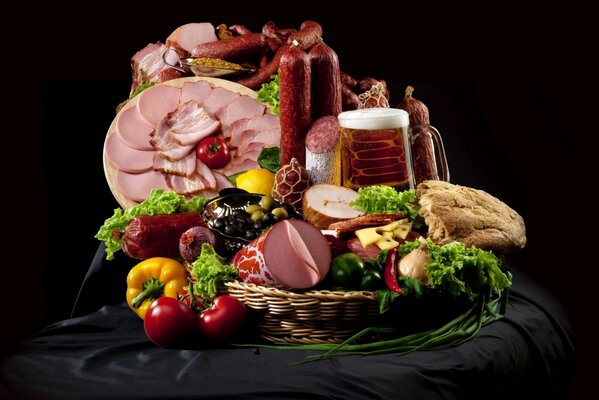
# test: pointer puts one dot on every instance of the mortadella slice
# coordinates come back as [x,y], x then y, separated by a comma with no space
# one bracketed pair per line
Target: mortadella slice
[219,97]
[133,131]
[156,102]
[127,158]
[196,91]
[137,187]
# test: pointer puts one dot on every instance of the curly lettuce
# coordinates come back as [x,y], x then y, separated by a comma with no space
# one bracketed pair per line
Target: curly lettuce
[210,271]
[159,202]
[269,94]
[382,199]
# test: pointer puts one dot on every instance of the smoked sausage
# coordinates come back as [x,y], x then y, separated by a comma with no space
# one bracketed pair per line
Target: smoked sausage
[326,81]
[232,48]
[351,101]
[262,75]
[310,32]
[294,104]
[158,235]
[239,30]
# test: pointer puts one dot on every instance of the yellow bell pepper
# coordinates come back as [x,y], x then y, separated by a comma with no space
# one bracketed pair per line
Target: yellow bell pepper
[153,278]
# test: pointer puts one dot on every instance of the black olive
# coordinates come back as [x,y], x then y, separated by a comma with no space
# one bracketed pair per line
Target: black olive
[237,213]
[232,230]
[250,235]
[218,223]
[289,208]
[258,225]
[269,219]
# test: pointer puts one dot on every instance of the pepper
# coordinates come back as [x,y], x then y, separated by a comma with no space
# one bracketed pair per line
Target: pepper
[372,281]
[153,278]
[391,272]
[347,271]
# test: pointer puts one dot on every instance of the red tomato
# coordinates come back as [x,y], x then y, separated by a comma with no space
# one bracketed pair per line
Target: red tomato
[168,322]
[223,319]
[213,151]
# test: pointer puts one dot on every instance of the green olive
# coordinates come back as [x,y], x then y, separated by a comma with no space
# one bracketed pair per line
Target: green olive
[252,208]
[267,202]
[280,213]
[257,215]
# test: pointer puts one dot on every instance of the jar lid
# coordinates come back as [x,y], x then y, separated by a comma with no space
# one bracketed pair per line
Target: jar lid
[374,118]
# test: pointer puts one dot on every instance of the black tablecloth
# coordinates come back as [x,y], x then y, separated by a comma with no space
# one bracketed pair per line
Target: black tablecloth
[105,354]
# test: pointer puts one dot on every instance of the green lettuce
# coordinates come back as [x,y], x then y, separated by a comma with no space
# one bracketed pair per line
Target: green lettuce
[210,271]
[269,94]
[159,202]
[381,199]
[270,158]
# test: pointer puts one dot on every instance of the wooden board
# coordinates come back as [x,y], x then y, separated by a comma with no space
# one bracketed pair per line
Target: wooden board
[110,171]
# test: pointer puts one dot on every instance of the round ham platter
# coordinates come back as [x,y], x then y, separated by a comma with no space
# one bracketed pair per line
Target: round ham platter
[110,171]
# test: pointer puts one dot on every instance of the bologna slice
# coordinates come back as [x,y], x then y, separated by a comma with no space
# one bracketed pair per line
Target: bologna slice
[196,91]
[133,131]
[137,187]
[293,254]
[156,102]
[127,158]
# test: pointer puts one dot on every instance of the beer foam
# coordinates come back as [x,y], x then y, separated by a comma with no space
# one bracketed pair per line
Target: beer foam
[374,118]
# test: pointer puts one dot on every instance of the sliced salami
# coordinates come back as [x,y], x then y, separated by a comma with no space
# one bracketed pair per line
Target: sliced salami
[323,135]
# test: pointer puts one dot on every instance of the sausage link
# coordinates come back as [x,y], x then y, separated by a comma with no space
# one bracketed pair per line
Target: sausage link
[351,101]
[271,31]
[239,30]
[295,107]
[158,235]
[310,32]
[234,47]
[326,81]
[348,81]
[262,75]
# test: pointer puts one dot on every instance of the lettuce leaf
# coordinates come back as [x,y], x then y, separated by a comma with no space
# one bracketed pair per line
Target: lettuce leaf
[381,199]
[270,158]
[210,271]
[269,94]
[159,202]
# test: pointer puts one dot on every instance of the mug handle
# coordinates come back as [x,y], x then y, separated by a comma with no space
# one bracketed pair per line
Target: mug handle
[442,164]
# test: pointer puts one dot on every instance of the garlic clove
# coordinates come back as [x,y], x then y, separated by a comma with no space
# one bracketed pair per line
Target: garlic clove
[412,264]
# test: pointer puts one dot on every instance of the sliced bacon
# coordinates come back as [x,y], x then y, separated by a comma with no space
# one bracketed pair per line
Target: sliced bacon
[190,123]
[201,179]
[183,167]
[241,108]
[262,138]
[235,131]
[243,163]
[147,65]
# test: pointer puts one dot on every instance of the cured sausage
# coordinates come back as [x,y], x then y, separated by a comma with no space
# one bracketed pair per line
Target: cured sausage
[350,100]
[294,104]
[232,48]
[239,30]
[271,31]
[262,75]
[158,235]
[322,151]
[310,32]
[348,81]
[326,81]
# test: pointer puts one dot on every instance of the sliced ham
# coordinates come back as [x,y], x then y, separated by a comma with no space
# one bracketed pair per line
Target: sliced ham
[127,158]
[190,123]
[133,131]
[201,179]
[137,187]
[186,37]
[222,182]
[265,121]
[184,167]
[241,108]
[197,91]
[156,102]
[147,65]
[218,98]
[257,139]
[249,160]
[165,145]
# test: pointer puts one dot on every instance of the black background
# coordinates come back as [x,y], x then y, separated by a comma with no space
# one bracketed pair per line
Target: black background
[503,86]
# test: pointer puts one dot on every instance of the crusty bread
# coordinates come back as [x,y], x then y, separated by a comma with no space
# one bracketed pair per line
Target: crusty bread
[470,216]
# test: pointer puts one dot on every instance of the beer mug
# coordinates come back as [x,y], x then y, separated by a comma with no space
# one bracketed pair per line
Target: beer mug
[376,148]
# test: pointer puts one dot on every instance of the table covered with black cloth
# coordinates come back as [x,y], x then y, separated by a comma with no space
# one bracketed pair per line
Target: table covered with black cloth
[104,353]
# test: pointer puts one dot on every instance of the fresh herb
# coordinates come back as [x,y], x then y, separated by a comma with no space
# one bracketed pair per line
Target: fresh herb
[269,94]
[159,202]
[210,271]
[377,264]
[381,199]
[270,158]
[141,88]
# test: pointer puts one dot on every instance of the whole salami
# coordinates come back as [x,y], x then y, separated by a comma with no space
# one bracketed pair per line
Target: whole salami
[326,81]
[234,47]
[294,104]
[262,75]
[310,32]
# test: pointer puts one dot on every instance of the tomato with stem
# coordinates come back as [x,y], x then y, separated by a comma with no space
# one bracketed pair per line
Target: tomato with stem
[213,151]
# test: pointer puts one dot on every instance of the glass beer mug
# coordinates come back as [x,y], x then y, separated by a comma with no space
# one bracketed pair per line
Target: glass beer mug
[376,149]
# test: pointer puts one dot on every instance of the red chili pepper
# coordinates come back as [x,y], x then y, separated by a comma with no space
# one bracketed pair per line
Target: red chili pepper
[391,272]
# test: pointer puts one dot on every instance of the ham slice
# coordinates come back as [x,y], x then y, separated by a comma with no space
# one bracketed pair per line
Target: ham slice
[137,187]
[190,123]
[186,37]
[165,145]
[257,139]
[147,65]
[197,91]
[218,98]
[265,121]
[247,161]
[133,131]
[241,108]
[155,103]
[222,182]
[184,167]
[127,158]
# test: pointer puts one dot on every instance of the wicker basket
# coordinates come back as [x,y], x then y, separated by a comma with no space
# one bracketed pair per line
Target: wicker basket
[307,317]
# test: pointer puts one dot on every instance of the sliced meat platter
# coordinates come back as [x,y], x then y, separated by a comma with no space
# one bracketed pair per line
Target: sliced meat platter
[151,142]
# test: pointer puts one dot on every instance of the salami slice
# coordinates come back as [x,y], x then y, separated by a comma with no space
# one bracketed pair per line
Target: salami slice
[322,151]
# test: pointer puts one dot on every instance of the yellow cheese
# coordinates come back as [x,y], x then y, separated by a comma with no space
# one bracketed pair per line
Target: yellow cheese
[402,229]
[389,227]
[368,236]
[386,242]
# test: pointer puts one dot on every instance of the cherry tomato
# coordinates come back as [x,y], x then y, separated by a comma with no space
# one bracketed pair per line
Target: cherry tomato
[169,322]
[223,319]
[213,151]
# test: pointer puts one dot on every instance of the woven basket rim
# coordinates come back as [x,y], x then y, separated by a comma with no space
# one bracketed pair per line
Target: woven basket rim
[327,295]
